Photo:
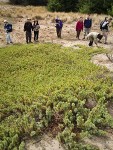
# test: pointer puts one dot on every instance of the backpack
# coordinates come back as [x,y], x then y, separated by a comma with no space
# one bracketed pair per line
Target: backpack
[104,25]
[101,25]
[9,28]
[61,24]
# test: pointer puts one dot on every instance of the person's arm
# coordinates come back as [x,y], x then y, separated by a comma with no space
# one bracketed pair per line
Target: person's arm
[76,27]
[91,22]
[84,22]
[87,37]
[4,27]
[95,40]
[38,26]
[82,26]
[32,27]
[25,27]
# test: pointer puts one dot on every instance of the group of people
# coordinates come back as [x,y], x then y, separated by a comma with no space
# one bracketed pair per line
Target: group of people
[81,25]
[28,28]
[93,36]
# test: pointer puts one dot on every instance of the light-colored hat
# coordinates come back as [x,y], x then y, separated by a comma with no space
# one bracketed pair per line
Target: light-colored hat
[28,19]
[5,21]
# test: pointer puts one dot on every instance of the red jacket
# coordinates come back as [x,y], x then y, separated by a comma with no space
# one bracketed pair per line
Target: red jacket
[79,26]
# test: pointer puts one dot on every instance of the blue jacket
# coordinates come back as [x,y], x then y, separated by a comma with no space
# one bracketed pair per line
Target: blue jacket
[87,23]
[59,24]
[8,27]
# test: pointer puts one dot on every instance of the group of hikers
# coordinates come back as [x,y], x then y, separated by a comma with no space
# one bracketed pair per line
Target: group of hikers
[81,25]
[93,36]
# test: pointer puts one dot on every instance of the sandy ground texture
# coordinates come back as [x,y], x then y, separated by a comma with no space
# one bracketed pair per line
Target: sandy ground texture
[45,143]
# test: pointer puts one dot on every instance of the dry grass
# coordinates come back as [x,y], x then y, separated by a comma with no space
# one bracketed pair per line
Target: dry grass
[42,13]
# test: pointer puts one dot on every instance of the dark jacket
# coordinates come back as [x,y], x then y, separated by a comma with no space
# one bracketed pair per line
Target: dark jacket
[8,27]
[105,25]
[87,23]
[28,27]
[59,24]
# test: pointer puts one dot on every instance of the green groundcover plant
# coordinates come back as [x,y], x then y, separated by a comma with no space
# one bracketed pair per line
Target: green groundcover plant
[45,87]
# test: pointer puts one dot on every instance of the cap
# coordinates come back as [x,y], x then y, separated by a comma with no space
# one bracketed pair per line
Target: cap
[5,21]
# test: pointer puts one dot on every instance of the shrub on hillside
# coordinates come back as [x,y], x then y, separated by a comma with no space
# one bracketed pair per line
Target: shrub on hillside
[29,2]
[85,9]
[110,11]
[54,5]
[62,5]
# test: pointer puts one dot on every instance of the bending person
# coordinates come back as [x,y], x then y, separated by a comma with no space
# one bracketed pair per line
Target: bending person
[93,37]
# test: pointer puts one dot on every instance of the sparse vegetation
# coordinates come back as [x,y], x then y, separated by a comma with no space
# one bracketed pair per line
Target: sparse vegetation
[110,56]
[45,85]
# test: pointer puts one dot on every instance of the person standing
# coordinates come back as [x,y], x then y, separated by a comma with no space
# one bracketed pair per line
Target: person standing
[36,28]
[105,28]
[93,37]
[59,25]
[28,29]
[8,30]
[79,27]
[87,25]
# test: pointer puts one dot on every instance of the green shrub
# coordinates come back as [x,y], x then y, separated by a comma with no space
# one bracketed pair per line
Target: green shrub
[110,11]
[35,97]
[85,9]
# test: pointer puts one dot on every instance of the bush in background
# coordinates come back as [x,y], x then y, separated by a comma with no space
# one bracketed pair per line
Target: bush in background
[29,2]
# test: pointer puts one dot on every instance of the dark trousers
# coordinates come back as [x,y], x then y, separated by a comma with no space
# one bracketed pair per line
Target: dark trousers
[78,33]
[59,30]
[28,37]
[36,33]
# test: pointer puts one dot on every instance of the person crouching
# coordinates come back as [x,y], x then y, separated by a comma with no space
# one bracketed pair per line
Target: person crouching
[93,37]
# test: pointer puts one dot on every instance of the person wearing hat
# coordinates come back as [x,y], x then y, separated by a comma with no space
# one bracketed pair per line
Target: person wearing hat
[28,28]
[8,30]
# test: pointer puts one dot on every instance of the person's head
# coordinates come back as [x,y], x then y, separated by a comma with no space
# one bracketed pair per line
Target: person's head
[28,19]
[106,19]
[81,19]
[5,22]
[56,20]
[99,36]
[36,22]
[88,16]
[109,20]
